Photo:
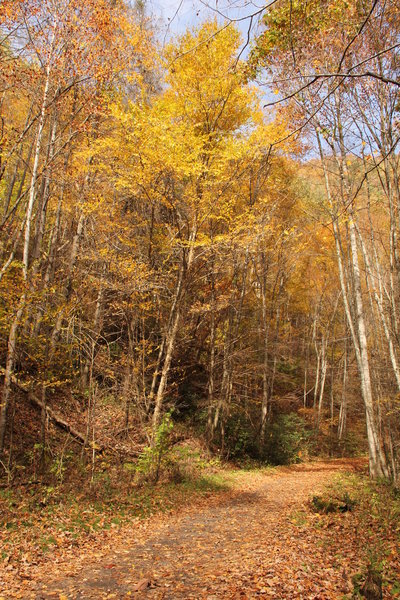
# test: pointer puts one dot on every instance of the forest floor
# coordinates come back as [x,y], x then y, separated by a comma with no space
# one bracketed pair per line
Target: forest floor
[257,538]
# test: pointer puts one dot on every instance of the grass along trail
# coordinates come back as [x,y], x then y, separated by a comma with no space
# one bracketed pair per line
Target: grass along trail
[258,540]
[238,535]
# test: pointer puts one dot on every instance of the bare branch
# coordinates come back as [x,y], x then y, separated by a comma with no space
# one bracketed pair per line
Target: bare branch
[357,34]
[345,75]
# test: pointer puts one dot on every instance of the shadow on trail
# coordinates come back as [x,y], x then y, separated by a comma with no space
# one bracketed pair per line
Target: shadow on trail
[208,552]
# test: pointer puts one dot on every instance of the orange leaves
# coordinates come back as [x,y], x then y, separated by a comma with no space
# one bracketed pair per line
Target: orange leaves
[259,539]
[92,40]
[7,9]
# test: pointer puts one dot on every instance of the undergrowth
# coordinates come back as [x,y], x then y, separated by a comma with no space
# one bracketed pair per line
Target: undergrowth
[359,520]
[42,519]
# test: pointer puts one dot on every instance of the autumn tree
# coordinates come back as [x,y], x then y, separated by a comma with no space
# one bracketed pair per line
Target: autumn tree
[64,58]
[333,111]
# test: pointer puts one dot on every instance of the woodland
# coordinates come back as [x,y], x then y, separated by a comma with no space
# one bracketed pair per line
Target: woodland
[199,260]
[200,235]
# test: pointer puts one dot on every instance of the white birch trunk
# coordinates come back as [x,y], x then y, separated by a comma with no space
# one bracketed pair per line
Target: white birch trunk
[36,156]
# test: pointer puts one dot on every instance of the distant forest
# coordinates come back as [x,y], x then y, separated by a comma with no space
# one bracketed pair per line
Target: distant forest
[196,238]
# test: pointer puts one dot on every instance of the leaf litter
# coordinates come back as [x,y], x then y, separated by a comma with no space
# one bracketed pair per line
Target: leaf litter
[259,539]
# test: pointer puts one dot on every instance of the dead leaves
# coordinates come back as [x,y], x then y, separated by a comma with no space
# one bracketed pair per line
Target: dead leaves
[143,584]
[258,541]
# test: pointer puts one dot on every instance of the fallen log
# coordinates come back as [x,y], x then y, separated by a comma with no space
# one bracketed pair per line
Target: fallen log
[61,423]
[57,419]
[51,414]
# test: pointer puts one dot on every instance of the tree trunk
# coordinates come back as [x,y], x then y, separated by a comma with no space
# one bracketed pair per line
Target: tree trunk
[377,461]
[35,168]
[172,329]
[11,350]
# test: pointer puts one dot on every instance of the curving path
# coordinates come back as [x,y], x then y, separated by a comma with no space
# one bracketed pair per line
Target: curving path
[252,543]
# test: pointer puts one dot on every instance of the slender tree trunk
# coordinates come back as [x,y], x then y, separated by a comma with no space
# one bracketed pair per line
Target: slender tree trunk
[381,311]
[265,329]
[324,365]
[68,284]
[88,367]
[11,350]
[35,168]
[14,177]
[12,338]
[172,329]
[211,374]
[164,342]
[378,467]
[343,403]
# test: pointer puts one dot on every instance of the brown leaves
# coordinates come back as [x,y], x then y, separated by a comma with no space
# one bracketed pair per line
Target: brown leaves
[260,540]
[143,584]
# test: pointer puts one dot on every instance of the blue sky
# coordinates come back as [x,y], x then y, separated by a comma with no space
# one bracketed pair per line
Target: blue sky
[176,15]
[173,17]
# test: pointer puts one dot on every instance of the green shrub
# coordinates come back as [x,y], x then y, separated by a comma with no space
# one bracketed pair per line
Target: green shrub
[239,438]
[286,441]
[156,456]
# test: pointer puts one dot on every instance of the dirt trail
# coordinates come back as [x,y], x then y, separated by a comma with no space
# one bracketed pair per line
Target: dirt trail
[249,545]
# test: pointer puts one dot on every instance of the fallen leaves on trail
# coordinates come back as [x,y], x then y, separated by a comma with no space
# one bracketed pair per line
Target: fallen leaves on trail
[143,584]
[260,540]
[56,538]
